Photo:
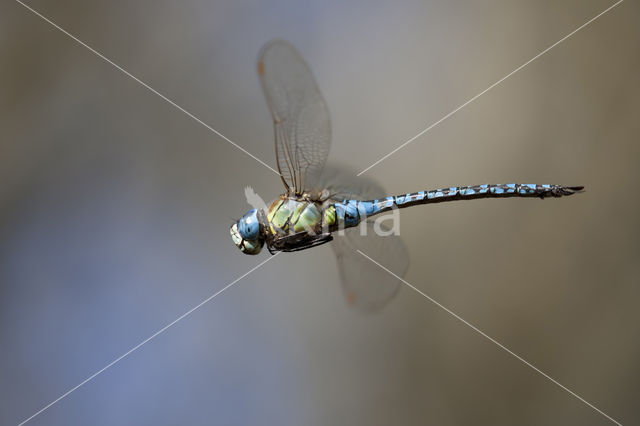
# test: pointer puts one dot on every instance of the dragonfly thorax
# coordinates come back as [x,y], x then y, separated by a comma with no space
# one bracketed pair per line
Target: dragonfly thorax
[289,215]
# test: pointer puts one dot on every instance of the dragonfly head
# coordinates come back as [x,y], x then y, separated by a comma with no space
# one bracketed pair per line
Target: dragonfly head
[247,233]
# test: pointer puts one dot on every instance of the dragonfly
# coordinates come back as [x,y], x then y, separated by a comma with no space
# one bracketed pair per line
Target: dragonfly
[320,201]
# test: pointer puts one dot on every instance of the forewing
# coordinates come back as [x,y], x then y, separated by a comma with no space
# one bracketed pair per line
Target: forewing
[300,114]
[365,285]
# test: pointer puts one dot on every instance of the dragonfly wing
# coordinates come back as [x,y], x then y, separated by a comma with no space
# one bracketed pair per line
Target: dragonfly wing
[343,183]
[300,115]
[365,285]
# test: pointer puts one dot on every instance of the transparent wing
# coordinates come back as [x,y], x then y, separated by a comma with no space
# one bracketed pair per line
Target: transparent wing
[342,183]
[300,114]
[365,285]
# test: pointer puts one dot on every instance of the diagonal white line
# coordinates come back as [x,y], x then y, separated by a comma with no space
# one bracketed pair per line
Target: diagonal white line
[151,89]
[136,347]
[492,340]
[491,87]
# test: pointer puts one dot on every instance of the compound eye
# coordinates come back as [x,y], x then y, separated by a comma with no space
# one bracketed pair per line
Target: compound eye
[249,226]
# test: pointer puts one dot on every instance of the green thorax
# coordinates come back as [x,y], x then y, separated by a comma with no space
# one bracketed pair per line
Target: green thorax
[289,215]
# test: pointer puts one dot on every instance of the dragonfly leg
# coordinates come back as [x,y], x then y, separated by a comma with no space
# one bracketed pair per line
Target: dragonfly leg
[298,241]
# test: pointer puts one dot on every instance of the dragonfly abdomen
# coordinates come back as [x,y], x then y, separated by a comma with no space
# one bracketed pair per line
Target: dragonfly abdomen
[482,191]
[351,212]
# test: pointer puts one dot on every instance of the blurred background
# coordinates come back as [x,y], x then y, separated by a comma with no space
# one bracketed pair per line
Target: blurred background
[115,209]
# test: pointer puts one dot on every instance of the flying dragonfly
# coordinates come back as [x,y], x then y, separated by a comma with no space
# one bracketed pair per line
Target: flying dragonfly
[320,201]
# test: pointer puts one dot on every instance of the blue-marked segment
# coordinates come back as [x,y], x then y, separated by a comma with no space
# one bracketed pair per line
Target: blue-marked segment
[367,208]
[372,208]
[347,212]
[388,202]
[527,189]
